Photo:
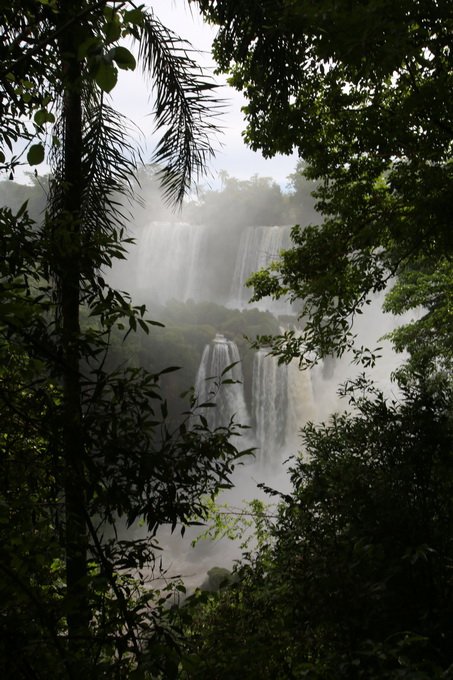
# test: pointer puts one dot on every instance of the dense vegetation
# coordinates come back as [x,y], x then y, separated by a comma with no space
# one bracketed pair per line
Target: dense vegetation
[86,438]
[352,578]
[351,574]
[364,89]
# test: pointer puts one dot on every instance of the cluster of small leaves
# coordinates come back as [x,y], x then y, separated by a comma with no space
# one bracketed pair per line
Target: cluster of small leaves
[249,523]
[27,70]
[424,289]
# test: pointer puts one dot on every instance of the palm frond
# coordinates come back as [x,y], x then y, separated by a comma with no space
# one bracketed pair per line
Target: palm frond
[108,177]
[109,166]
[185,107]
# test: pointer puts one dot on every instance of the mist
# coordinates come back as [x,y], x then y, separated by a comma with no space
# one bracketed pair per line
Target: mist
[190,267]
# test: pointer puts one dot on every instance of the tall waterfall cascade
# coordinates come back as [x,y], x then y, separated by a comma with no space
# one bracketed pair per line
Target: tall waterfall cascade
[182,261]
[178,260]
[282,398]
[229,396]
[269,403]
[258,247]
[170,260]
[282,402]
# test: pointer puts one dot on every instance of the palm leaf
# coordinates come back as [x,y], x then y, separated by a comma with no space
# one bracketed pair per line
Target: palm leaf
[184,107]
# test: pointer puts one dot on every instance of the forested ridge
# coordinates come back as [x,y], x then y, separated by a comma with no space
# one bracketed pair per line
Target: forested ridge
[350,571]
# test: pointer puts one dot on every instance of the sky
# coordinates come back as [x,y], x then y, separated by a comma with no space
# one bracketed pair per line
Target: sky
[132,98]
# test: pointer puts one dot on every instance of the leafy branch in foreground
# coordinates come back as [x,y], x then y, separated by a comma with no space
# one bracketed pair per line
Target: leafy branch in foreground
[249,523]
[85,448]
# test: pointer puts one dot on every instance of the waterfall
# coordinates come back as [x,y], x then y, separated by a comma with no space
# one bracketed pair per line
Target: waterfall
[282,398]
[182,261]
[301,403]
[173,263]
[282,402]
[169,260]
[229,397]
[269,404]
[257,248]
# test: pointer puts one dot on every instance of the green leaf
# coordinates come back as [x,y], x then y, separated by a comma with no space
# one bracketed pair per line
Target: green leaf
[109,12]
[124,59]
[229,367]
[35,154]
[112,31]
[22,210]
[43,116]
[134,16]
[190,663]
[2,157]
[170,369]
[90,46]
[106,76]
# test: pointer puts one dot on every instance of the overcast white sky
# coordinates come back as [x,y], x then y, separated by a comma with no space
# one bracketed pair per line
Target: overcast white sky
[130,95]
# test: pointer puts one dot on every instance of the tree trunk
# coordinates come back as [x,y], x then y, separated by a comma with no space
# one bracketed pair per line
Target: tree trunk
[69,276]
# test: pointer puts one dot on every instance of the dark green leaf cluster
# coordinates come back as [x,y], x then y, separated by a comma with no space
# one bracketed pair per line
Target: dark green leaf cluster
[363,91]
[354,581]
[424,289]
[137,464]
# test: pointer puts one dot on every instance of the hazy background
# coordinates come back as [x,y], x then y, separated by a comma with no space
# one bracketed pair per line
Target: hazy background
[132,98]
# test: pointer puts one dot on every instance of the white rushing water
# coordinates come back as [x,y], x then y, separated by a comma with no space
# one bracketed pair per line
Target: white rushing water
[269,403]
[257,248]
[282,397]
[281,403]
[229,396]
[170,258]
[182,261]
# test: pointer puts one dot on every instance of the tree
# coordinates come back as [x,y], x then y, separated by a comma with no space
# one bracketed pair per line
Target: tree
[257,201]
[301,202]
[353,578]
[424,289]
[85,446]
[355,575]
[364,90]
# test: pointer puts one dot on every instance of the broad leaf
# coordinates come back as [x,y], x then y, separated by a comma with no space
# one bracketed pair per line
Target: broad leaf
[106,76]
[124,59]
[35,154]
